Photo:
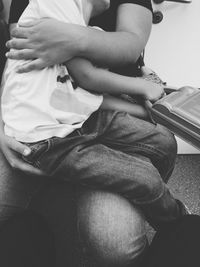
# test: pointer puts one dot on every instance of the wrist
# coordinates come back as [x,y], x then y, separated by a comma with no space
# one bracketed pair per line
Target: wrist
[143,88]
[71,40]
[82,42]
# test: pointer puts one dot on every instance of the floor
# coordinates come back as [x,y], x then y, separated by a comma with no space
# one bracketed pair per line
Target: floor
[185,184]
[185,181]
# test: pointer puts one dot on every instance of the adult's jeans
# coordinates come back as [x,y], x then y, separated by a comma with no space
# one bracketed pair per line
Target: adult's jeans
[105,225]
[109,227]
[118,153]
[25,240]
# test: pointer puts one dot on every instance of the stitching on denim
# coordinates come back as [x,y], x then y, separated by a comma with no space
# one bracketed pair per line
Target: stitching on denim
[49,144]
[153,200]
[156,153]
[114,115]
[79,132]
[33,149]
[140,145]
[135,118]
[36,164]
[148,147]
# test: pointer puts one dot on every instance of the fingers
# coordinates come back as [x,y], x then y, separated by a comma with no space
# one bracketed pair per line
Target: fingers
[12,155]
[18,147]
[18,43]
[25,29]
[36,64]
[148,104]
[25,54]
[29,23]
[27,168]
[19,164]
[20,32]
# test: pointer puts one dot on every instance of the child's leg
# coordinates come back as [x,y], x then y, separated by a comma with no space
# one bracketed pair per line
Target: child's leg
[132,176]
[132,136]
[123,154]
[119,104]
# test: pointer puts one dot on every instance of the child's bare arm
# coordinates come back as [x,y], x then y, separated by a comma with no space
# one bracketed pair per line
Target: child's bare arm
[116,103]
[100,80]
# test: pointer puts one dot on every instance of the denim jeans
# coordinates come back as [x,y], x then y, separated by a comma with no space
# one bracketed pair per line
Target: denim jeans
[117,153]
[105,225]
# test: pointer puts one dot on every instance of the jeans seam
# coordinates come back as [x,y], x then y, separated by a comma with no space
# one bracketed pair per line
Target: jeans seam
[49,144]
[140,145]
[151,201]
[150,148]
[157,153]
[111,120]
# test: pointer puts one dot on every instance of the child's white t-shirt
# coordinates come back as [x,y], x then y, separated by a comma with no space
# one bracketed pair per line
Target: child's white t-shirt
[43,103]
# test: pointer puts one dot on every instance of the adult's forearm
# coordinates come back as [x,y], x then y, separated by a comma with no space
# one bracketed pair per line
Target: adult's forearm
[124,46]
[111,49]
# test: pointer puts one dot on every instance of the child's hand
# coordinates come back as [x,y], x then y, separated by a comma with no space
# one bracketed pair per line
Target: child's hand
[153,92]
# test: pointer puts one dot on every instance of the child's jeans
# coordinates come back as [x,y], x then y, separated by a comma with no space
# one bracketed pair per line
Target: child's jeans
[119,153]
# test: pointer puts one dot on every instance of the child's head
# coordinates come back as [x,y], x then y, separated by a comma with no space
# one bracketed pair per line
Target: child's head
[99,6]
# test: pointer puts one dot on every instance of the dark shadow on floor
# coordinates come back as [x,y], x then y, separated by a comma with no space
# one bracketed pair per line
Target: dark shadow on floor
[185,184]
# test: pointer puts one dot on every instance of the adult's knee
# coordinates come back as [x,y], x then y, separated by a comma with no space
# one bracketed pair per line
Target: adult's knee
[112,230]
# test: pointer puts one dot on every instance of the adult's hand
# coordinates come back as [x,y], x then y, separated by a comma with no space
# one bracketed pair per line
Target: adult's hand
[12,151]
[45,42]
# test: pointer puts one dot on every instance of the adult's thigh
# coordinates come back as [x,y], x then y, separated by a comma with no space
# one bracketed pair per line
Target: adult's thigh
[16,189]
[91,227]
[57,204]
[25,240]
[112,230]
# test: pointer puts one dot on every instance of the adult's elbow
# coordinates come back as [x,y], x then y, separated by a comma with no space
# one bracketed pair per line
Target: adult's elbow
[134,47]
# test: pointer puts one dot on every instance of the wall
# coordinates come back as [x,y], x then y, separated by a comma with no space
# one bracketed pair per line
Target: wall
[173,50]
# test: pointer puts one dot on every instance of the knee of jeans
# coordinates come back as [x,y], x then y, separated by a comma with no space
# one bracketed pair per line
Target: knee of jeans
[167,142]
[167,146]
[150,189]
[112,230]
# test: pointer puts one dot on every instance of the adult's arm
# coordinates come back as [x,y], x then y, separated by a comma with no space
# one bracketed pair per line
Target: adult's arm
[13,150]
[123,47]
[49,42]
